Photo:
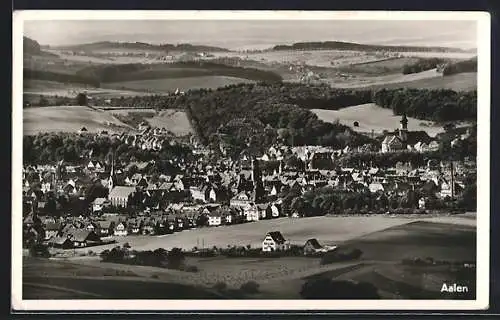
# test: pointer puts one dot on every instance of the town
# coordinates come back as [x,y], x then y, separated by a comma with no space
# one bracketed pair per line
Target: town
[94,200]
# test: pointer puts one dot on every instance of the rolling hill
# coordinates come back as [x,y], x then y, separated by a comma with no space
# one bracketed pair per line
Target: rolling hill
[372,117]
[113,45]
[340,45]
[69,119]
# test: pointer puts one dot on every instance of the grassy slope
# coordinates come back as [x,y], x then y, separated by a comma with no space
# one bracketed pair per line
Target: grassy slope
[171,84]
[458,82]
[384,242]
[172,120]
[371,117]
[68,119]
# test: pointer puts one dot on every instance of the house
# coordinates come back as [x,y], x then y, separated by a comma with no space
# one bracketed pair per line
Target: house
[275,211]
[99,204]
[120,229]
[119,195]
[83,238]
[148,228]
[392,143]
[134,227]
[421,203]
[251,212]
[433,146]
[242,199]
[61,243]
[375,187]
[262,209]
[215,218]
[105,228]
[52,230]
[91,226]
[274,241]
[448,191]
[312,246]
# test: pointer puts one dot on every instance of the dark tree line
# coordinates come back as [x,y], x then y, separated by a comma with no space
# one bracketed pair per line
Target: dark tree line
[437,105]
[211,110]
[30,74]
[46,148]
[422,64]
[137,71]
[460,66]
[339,45]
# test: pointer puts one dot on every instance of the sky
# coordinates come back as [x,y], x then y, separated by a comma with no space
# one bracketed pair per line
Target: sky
[255,34]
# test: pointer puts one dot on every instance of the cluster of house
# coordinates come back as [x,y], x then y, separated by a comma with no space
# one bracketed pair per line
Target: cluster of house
[146,137]
[275,241]
[213,193]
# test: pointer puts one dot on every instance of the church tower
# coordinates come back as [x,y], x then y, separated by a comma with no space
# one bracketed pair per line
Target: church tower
[403,130]
[111,181]
[258,186]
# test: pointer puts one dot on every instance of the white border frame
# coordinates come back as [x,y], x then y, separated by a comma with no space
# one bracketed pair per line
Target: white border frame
[483,166]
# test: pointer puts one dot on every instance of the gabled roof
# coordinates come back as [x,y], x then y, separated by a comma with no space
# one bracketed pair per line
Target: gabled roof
[53,226]
[121,192]
[79,235]
[276,236]
[106,224]
[314,243]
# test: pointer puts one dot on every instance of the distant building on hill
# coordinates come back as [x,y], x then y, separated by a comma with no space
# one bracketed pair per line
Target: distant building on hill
[402,139]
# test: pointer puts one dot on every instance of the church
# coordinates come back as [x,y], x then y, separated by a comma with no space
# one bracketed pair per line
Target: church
[401,139]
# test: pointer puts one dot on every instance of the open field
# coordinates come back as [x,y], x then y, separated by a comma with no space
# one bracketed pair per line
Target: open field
[63,280]
[69,119]
[459,82]
[171,84]
[380,264]
[329,230]
[388,66]
[173,120]
[372,117]
[53,88]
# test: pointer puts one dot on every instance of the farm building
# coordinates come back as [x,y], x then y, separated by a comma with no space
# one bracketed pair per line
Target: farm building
[61,243]
[274,241]
[83,238]
[312,246]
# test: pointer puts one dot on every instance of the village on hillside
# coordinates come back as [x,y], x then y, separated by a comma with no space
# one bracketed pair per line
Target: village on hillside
[91,202]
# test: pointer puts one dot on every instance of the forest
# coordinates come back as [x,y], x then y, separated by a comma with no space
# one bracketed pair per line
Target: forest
[30,74]
[47,148]
[137,71]
[436,105]
[339,45]
[423,64]
[460,66]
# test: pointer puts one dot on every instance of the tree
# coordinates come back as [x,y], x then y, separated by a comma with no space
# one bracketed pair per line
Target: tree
[81,99]
[175,258]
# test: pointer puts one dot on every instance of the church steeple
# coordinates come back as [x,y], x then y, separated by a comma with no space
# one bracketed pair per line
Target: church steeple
[403,131]
[111,181]
[258,186]
[404,122]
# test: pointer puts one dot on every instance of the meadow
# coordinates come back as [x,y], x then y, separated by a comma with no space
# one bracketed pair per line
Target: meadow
[384,241]
[69,119]
[458,82]
[168,85]
[372,117]
[174,121]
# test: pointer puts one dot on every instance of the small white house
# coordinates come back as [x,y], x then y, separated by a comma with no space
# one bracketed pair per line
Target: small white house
[421,203]
[274,241]
[215,219]
[120,230]
[251,212]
